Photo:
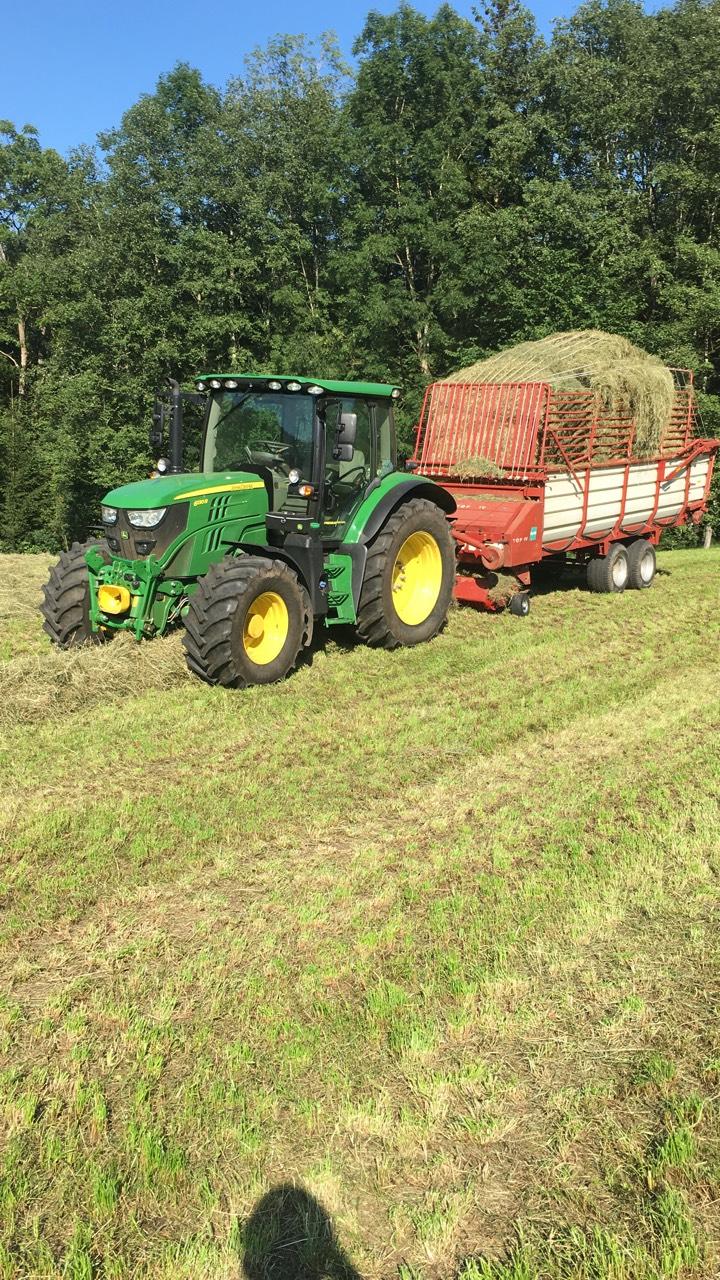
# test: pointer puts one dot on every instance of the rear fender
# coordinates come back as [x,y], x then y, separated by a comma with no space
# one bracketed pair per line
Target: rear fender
[374,514]
[403,491]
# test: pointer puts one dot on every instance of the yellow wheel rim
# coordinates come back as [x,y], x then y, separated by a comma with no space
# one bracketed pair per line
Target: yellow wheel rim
[417,578]
[265,628]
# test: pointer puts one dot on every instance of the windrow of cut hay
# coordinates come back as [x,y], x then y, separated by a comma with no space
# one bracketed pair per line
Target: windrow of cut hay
[40,683]
[52,683]
[626,381]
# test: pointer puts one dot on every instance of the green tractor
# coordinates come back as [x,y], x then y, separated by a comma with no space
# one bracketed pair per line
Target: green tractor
[298,513]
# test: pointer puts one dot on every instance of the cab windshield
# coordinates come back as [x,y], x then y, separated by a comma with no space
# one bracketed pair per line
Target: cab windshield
[259,429]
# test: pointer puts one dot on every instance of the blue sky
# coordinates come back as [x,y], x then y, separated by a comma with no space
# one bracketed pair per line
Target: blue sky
[73,66]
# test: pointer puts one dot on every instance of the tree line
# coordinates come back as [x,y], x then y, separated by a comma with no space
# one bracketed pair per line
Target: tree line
[465,184]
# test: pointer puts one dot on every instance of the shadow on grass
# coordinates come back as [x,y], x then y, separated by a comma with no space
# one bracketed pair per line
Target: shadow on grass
[289,1236]
[546,582]
[570,578]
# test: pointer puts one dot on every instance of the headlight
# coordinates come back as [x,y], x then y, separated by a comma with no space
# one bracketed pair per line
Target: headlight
[109,515]
[146,519]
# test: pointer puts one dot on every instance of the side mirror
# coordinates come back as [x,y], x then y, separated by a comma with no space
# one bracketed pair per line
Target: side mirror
[347,428]
[345,437]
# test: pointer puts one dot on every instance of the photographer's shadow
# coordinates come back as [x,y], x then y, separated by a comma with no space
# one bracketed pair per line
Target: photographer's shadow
[289,1236]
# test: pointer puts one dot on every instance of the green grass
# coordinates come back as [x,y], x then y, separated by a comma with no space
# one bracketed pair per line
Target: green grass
[406,967]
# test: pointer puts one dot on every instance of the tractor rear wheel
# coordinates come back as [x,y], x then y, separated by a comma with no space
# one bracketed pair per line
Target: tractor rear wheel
[641,564]
[66,607]
[247,622]
[409,578]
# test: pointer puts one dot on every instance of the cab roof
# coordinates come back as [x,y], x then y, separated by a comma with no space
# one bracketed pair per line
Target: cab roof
[378,389]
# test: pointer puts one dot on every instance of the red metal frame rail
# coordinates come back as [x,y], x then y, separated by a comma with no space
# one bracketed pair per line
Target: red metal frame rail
[494,445]
[525,429]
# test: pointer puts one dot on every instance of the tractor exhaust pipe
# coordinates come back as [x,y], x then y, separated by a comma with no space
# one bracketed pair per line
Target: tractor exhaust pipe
[168,412]
[176,428]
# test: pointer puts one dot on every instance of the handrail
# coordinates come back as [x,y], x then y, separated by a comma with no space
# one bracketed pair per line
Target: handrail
[698,447]
[568,463]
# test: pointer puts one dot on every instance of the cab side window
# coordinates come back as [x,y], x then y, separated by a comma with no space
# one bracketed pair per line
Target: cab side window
[385,439]
[345,482]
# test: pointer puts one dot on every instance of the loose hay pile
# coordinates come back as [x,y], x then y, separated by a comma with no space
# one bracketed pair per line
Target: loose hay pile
[469,468]
[625,379]
[51,683]
[41,683]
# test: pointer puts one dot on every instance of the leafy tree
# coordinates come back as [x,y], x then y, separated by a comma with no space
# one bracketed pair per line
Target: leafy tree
[469,185]
[417,122]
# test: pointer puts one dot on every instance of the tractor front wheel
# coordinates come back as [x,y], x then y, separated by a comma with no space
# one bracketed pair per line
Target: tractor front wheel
[247,622]
[66,607]
[409,578]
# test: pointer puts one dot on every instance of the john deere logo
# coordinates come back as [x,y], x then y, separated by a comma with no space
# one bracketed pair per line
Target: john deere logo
[124,533]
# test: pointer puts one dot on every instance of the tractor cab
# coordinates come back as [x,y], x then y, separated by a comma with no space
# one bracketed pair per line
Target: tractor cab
[317,447]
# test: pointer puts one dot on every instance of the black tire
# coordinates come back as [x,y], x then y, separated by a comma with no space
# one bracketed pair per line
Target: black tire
[378,622]
[609,573]
[66,606]
[641,564]
[520,604]
[218,643]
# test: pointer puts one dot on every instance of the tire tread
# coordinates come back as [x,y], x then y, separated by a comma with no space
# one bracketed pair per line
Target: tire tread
[373,626]
[211,613]
[64,607]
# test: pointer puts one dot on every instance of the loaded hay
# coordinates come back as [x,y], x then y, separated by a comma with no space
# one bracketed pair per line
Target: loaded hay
[626,380]
[469,468]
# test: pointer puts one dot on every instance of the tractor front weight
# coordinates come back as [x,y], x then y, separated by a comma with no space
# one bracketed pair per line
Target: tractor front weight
[131,596]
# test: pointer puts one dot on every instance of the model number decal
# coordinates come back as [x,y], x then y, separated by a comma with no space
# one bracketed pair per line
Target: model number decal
[221,488]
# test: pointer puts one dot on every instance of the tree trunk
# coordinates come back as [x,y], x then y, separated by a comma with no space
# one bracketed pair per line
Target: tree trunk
[22,343]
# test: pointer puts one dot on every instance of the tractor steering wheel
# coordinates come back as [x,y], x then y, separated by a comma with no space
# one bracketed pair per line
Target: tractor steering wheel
[332,478]
[270,457]
[274,446]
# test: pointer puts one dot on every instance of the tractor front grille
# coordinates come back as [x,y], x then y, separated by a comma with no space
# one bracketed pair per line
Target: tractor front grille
[129,543]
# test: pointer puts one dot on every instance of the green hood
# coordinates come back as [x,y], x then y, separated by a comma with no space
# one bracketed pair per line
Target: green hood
[164,490]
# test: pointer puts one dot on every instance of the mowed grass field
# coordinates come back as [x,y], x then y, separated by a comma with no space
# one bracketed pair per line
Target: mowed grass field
[408,967]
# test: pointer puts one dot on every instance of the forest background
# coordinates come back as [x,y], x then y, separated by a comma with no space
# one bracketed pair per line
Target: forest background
[466,184]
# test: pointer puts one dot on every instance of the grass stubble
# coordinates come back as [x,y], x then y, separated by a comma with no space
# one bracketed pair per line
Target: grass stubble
[430,936]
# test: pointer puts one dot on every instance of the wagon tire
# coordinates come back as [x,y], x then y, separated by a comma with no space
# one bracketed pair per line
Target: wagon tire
[409,578]
[66,598]
[609,573]
[642,564]
[520,604]
[247,623]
